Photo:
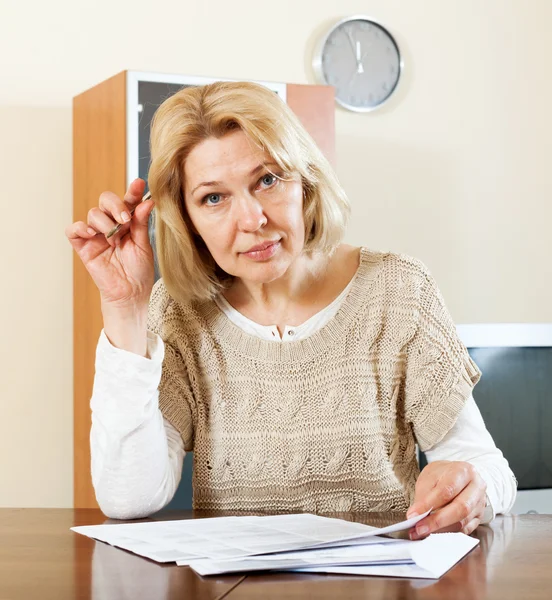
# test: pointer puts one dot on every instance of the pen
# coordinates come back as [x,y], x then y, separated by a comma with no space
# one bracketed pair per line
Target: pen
[119,225]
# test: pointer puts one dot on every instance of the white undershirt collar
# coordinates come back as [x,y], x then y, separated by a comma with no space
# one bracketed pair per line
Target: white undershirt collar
[291,332]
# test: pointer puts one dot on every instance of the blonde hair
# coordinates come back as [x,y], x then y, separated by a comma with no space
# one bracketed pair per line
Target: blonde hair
[196,113]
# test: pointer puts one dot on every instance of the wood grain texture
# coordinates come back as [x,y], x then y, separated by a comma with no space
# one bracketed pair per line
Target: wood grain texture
[512,562]
[41,558]
[99,163]
[315,107]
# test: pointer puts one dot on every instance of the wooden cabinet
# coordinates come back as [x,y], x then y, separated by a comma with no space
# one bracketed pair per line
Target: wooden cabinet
[111,124]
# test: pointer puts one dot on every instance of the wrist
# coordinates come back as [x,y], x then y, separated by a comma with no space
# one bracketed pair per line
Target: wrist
[126,327]
[135,311]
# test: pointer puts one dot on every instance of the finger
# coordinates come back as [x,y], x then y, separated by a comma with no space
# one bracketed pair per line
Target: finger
[458,527]
[114,207]
[471,526]
[86,242]
[415,535]
[425,484]
[142,212]
[466,526]
[446,488]
[135,192]
[102,223]
[79,230]
[79,234]
[134,195]
[139,224]
[466,504]
[455,528]
[427,481]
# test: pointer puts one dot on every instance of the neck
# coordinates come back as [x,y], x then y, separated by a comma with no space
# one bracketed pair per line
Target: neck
[275,297]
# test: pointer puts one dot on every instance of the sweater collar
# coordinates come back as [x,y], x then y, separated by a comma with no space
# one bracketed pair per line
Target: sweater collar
[235,340]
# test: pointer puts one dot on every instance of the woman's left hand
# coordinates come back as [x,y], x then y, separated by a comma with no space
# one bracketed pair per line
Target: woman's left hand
[455,492]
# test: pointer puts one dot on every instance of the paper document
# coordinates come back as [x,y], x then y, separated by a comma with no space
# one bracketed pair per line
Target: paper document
[429,558]
[235,537]
[379,550]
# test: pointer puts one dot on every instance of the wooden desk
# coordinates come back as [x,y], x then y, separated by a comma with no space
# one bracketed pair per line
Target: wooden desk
[41,558]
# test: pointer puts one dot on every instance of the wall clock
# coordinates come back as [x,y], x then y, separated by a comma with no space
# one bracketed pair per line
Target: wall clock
[361,59]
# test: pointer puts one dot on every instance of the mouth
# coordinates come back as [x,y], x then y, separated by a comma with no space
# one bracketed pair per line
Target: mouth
[262,251]
[261,247]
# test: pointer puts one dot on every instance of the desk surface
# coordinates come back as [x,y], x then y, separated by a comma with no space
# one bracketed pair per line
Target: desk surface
[41,558]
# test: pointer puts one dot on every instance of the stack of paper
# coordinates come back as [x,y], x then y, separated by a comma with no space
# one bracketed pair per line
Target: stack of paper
[428,559]
[286,542]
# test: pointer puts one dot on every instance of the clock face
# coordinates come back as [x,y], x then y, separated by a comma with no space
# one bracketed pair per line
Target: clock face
[361,60]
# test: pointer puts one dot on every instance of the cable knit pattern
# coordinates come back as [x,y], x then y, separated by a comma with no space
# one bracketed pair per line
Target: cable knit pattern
[327,423]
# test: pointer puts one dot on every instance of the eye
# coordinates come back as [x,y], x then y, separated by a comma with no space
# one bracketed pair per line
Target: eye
[211,199]
[268,180]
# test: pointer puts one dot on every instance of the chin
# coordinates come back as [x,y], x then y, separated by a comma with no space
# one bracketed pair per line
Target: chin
[263,273]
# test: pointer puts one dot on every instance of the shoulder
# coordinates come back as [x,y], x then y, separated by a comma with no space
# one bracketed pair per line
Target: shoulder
[399,288]
[407,265]
[397,270]
[170,319]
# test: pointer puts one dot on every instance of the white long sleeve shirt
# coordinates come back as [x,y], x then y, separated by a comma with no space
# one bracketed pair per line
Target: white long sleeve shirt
[137,455]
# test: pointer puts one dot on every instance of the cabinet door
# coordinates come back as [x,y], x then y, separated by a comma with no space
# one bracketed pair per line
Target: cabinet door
[151,94]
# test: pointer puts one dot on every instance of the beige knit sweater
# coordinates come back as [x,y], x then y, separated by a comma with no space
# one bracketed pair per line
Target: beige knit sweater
[328,423]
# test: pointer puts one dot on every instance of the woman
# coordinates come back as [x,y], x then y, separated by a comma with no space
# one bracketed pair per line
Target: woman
[301,371]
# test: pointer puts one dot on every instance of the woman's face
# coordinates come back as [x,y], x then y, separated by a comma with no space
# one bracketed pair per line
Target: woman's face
[251,222]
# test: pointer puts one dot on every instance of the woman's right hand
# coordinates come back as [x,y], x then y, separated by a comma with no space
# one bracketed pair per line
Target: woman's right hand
[122,266]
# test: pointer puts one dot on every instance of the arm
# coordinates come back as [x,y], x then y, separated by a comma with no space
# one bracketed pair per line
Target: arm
[440,376]
[469,441]
[136,454]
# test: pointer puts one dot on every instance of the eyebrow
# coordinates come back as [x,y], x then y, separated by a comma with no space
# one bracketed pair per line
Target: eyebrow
[253,172]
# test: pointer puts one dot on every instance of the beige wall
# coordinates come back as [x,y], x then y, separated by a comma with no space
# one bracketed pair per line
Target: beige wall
[456,170]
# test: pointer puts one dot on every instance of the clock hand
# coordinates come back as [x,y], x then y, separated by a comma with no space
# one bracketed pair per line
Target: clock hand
[360,68]
[355,48]
[351,41]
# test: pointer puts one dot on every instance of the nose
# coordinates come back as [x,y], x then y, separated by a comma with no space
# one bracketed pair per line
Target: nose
[249,213]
